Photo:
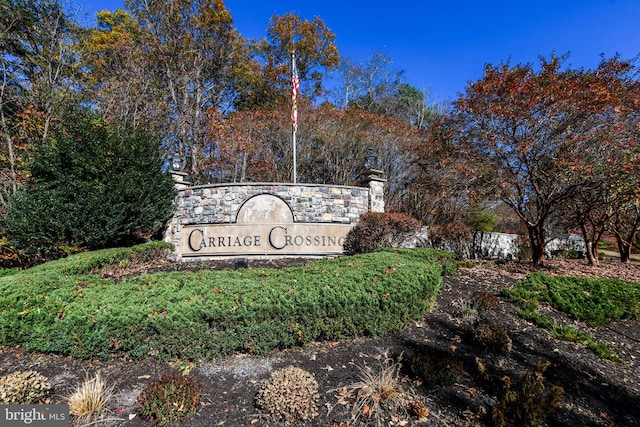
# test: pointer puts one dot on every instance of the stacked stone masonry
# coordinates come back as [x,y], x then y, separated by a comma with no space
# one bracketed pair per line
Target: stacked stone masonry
[309,203]
[219,204]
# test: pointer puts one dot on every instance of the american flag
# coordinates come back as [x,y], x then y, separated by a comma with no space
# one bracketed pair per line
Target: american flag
[295,86]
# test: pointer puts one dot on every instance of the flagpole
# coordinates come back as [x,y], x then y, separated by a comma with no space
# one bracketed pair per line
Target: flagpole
[294,110]
[294,155]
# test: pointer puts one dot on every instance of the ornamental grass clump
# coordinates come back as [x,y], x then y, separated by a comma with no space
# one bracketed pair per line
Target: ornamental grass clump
[169,398]
[291,394]
[380,393]
[89,399]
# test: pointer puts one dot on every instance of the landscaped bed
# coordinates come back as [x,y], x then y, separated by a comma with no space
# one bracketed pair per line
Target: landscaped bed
[447,367]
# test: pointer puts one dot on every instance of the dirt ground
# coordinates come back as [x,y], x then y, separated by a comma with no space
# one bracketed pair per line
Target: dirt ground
[596,392]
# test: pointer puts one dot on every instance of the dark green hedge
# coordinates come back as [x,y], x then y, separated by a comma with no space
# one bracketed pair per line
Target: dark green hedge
[91,188]
[210,314]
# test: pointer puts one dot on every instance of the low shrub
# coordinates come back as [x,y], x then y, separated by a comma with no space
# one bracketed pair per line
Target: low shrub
[485,301]
[595,301]
[24,387]
[291,394]
[66,307]
[377,230]
[437,367]
[567,254]
[531,404]
[169,398]
[492,337]
[454,237]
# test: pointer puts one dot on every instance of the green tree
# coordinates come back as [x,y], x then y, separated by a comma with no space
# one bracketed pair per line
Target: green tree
[375,87]
[39,79]
[92,188]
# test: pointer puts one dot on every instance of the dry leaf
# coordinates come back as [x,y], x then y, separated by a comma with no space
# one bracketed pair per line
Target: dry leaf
[343,396]
[420,409]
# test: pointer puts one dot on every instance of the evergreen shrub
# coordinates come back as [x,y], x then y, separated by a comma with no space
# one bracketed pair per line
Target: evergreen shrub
[67,307]
[91,188]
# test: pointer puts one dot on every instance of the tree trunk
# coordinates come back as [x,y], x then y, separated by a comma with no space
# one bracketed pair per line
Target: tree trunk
[591,248]
[537,241]
[624,248]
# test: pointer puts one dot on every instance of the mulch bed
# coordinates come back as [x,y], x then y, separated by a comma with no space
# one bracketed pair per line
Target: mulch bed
[596,392]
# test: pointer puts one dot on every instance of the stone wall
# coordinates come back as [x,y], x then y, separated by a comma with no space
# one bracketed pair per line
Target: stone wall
[309,203]
[219,204]
[493,245]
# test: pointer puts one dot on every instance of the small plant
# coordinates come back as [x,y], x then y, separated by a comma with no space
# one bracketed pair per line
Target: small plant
[492,337]
[380,393]
[171,397]
[290,394]
[437,367]
[465,264]
[602,350]
[467,309]
[24,387]
[529,406]
[89,399]
[485,301]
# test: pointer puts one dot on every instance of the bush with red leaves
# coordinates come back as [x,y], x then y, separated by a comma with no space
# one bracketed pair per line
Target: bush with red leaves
[377,230]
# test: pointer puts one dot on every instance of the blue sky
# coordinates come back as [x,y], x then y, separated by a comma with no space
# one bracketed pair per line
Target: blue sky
[442,45]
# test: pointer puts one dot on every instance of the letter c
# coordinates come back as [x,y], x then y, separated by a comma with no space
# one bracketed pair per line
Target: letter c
[271,243]
[191,235]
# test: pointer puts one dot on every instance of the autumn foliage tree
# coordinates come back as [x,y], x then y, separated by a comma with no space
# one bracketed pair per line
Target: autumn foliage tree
[115,53]
[531,135]
[316,54]
[256,146]
[188,56]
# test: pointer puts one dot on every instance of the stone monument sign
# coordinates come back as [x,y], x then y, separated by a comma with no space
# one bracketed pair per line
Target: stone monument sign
[264,227]
[268,220]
